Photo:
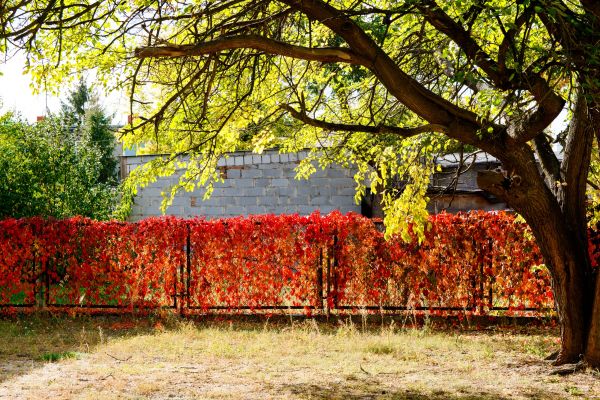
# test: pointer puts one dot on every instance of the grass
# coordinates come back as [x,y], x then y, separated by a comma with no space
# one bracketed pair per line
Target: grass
[102,357]
[52,357]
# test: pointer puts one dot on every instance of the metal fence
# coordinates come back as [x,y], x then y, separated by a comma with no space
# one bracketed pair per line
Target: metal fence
[326,288]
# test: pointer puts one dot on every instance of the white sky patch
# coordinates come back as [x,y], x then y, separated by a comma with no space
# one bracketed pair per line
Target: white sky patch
[17,95]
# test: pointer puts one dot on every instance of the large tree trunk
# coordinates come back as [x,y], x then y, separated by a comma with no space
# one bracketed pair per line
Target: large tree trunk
[554,207]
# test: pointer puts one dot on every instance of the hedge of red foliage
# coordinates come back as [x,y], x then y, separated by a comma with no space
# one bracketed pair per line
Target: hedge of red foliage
[475,262]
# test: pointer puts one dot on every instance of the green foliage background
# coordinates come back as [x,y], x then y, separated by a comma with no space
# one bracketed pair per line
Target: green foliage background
[48,169]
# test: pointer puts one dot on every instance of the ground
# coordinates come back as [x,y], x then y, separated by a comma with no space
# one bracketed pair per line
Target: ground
[155,358]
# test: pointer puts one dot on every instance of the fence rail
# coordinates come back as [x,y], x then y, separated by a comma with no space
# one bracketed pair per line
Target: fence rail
[318,265]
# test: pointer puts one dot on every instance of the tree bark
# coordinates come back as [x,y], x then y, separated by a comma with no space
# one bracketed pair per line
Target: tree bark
[563,243]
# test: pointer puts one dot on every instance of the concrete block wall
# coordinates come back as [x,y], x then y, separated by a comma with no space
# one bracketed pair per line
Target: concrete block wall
[253,184]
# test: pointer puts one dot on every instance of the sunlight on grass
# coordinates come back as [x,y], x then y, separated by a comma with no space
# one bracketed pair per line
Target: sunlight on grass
[299,359]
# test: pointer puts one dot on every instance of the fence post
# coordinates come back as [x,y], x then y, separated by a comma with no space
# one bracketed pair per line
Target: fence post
[320,279]
[335,268]
[491,282]
[46,278]
[481,296]
[188,264]
[328,283]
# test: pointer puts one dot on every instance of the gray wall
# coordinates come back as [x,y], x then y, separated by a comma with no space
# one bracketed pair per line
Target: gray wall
[253,184]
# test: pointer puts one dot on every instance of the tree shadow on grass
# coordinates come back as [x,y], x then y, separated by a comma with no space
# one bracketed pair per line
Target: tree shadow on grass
[30,342]
[372,392]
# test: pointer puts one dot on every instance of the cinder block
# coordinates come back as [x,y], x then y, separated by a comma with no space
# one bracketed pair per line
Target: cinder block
[299,200]
[275,157]
[347,191]
[247,159]
[319,201]
[245,200]
[183,199]
[233,174]
[284,158]
[338,172]
[280,182]
[256,159]
[224,192]
[323,191]
[272,172]
[211,201]
[289,170]
[255,210]
[212,211]
[268,201]
[262,182]
[252,173]
[289,191]
[235,210]
[230,161]
[254,191]
[340,182]
[266,159]
[243,182]
[342,200]
[239,160]
[319,173]
[306,210]
[282,210]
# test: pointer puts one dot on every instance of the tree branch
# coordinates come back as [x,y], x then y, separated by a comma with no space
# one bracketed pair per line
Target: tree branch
[549,103]
[462,124]
[576,162]
[375,129]
[592,7]
[445,24]
[548,161]
[256,42]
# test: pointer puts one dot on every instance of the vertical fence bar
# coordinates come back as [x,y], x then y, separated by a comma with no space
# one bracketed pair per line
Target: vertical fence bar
[36,277]
[47,282]
[320,279]
[175,288]
[188,262]
[335,269]
[491,281]
[181,288]
[481,294]
[328,283]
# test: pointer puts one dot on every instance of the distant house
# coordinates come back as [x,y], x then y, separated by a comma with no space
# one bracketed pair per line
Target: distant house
[453,193]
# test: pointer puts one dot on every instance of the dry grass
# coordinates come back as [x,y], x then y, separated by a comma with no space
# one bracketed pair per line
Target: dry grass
[114,358]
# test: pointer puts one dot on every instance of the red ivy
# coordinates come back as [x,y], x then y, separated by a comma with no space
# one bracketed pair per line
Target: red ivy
[474,261]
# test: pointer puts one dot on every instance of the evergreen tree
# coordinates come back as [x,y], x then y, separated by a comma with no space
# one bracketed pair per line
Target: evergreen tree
[88,120]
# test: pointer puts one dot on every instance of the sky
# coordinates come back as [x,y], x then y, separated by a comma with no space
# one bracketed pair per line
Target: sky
[17,95]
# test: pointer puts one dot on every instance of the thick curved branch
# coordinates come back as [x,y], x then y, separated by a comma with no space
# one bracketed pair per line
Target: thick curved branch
[462,124]
[256,42]
[549,103]
[549,163]
[375,129]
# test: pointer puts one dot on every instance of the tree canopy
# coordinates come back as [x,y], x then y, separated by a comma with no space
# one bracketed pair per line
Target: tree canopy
[47,170]
[378,83]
